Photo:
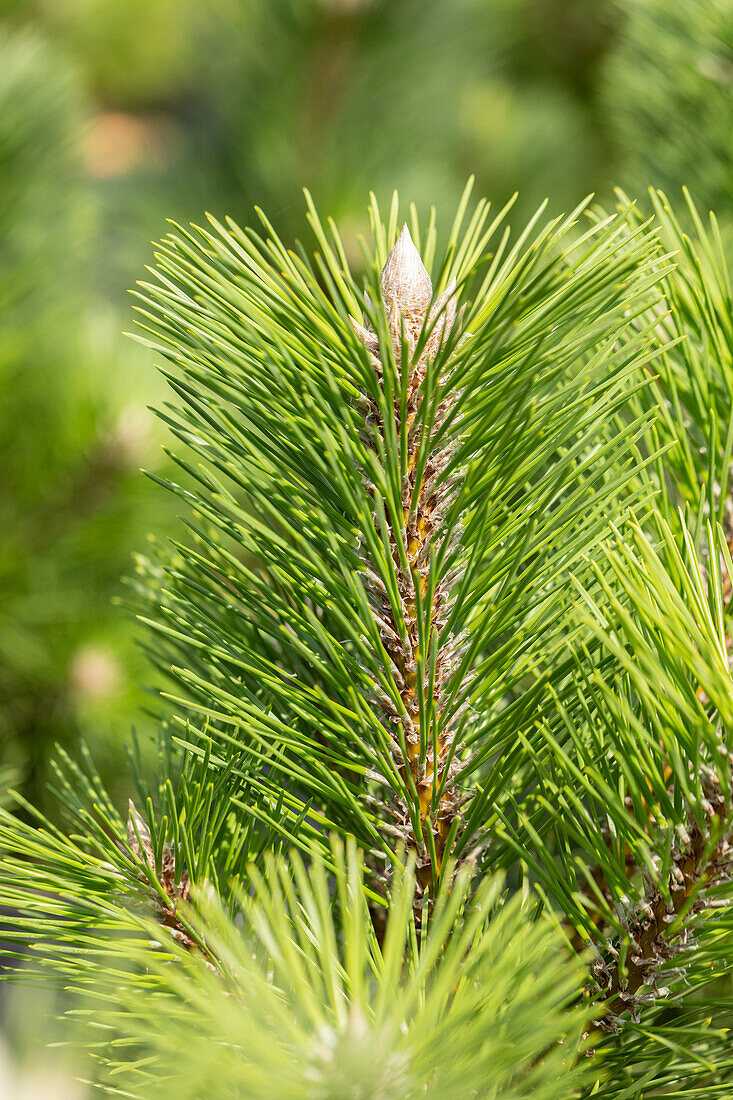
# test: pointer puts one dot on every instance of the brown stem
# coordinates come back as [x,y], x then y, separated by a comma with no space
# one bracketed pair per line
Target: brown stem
[175,890]
[407,292]
[695,867]
[701,859]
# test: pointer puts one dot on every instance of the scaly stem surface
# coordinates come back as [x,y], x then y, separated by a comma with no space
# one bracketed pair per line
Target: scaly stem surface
[418,330]
[657,929]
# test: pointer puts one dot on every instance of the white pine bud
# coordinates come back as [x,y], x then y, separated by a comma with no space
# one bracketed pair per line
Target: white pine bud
[406,289]
[137,828]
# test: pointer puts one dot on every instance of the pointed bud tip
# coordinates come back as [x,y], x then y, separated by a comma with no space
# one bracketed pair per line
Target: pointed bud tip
[404,248]
[137,826]
[405,282]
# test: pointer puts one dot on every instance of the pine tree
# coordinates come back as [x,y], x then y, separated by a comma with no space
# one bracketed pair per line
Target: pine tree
[443,804]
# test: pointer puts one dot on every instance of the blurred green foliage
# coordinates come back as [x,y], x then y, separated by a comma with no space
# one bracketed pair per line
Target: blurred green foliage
[73,431]
[115,114]
[668,86]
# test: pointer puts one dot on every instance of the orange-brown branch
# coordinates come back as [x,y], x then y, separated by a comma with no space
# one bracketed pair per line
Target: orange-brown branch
[407,292]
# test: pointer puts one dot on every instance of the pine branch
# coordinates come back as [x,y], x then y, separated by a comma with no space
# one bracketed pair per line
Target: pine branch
[308,995]
[657,928]
[693,377]
[361,600]
[63,892]
[425,753]
[174,888]
[641,780]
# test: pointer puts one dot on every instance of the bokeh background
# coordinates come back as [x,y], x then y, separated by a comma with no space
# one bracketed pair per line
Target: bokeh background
[118,114]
